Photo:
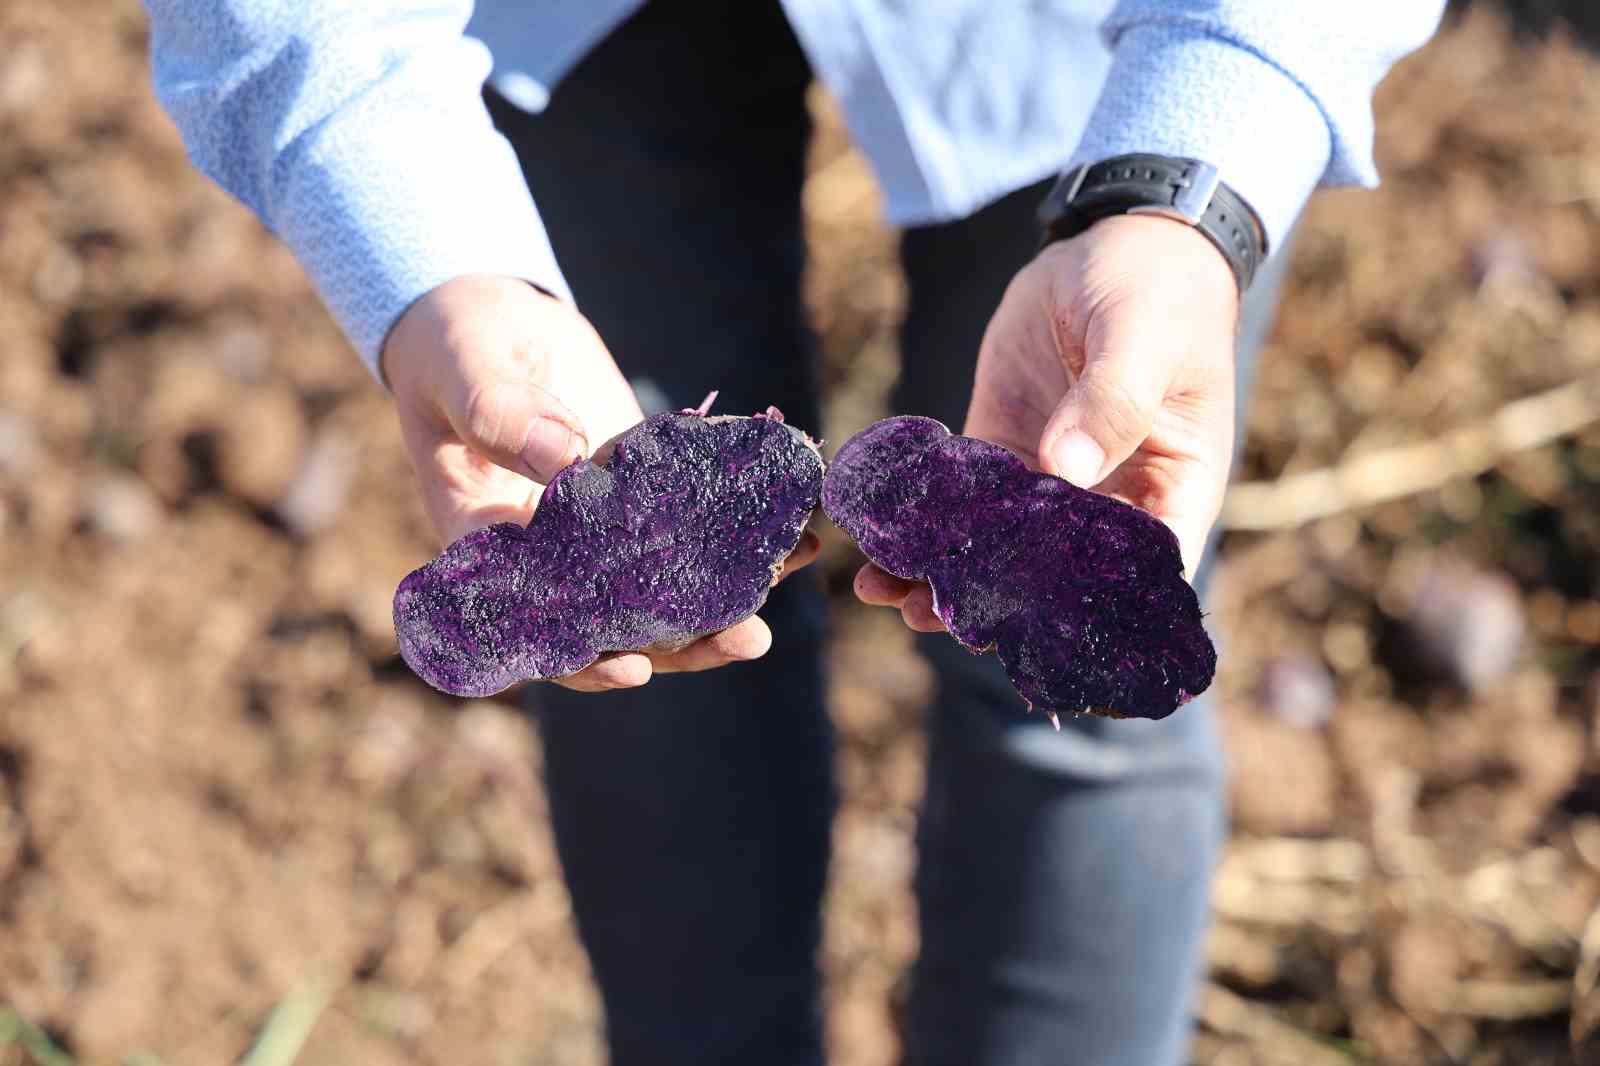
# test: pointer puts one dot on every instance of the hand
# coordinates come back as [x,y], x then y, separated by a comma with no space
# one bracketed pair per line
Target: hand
[1109,363]
[498,386]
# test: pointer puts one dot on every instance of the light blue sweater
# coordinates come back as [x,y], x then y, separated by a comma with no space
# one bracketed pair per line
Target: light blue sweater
[355,129]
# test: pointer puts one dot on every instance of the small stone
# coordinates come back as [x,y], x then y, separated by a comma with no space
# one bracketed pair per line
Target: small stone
[121,509]
[316,497]
[243,352]
[58,277]
[1467,624]
[261,444]
[1504,257]
[1297,689]
[19,443]
[24,75]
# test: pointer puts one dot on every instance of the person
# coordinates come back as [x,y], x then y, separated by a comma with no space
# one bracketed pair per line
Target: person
[1063,877]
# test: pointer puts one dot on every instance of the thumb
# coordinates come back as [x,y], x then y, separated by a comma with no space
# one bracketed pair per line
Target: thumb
[1107,413]
[517,425]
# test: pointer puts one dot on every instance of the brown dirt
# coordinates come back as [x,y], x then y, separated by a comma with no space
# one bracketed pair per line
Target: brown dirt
[216,784]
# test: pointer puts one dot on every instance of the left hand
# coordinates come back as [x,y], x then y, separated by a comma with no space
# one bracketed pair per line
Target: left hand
[1109,363]
[498,386]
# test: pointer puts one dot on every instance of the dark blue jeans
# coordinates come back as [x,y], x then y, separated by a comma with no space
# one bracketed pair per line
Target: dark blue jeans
[1063,876]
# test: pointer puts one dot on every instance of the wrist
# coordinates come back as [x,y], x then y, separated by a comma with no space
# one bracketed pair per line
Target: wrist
[441,320]
[1186,191]
[1147,247]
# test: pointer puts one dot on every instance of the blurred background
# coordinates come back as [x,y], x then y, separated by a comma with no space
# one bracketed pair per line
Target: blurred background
[228,814]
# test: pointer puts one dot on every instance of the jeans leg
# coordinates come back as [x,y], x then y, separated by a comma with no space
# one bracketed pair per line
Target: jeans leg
[692,818]
[1063,877]
[1063,881]
[692,815]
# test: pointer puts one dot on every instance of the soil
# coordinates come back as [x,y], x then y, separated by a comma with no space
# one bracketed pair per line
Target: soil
[219,787]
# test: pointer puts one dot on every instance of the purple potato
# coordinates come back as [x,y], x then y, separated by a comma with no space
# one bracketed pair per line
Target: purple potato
[679,533]
[1082,596]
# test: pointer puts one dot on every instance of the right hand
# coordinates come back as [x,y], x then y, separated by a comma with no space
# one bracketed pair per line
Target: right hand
[498,386]
[1109,363]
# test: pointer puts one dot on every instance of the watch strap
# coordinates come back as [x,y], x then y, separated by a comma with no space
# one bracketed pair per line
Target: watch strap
[1186,190]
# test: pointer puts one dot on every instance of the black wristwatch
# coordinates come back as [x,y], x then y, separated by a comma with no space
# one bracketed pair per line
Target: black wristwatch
[1187,190]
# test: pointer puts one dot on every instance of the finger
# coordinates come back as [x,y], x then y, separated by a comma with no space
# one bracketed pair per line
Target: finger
[602,455]
[805,553]
[460,489]
[1192,532]
[517,425]
[1108,411]
[917,611]
[880,588]
[747,640]
[623,670]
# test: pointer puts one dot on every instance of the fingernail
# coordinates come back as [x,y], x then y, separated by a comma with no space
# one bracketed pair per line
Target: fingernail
[1078,458]
[551,446]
